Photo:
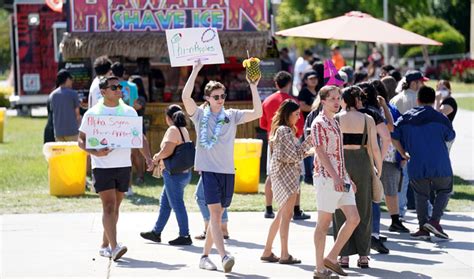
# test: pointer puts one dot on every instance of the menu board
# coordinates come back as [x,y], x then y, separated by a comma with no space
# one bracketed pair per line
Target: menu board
[81,70]
[269,67]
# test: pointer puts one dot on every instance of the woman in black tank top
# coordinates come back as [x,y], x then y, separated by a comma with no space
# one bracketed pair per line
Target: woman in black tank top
[358,166]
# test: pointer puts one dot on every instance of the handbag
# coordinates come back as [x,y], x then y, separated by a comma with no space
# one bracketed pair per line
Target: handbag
[182,158]
[377,186]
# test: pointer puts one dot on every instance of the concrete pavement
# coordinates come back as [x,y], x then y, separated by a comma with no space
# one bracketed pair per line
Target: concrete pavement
[462,152]
[66,245]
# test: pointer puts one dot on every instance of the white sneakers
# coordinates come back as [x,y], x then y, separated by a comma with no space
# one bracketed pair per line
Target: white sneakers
[227,263]
[207,264]
[105,252]
[119,251]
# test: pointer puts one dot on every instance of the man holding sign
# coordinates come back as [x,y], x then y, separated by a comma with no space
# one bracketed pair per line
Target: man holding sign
[111,168]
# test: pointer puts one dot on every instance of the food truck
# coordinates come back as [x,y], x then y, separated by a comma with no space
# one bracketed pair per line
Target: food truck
[133,32]
[36,31]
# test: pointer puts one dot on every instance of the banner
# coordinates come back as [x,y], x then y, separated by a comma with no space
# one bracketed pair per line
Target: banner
[113,132]
[190,44]
[160,15]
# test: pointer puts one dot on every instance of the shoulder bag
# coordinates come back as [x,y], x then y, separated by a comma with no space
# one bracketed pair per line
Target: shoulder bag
[182,158]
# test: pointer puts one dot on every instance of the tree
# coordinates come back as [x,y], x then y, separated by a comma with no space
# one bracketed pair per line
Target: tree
[457,14]
[5,55]
[293,13]
[436,29]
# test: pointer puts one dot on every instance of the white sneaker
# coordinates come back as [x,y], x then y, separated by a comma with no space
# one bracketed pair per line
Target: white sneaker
[227,263]
[207,264]
[119,251]
[105,252]
[129,193]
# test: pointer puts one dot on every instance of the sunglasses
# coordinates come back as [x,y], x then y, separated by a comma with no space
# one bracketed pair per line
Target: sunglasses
[115,87]
[216,97]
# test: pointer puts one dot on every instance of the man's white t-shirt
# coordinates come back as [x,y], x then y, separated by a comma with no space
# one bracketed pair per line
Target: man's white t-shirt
[301,66]
[119,157]
[94,92]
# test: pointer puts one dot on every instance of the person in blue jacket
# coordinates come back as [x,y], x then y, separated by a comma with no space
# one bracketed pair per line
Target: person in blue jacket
[420,136]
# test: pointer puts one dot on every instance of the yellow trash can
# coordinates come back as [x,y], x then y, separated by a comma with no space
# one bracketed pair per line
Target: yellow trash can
[247,154]
[3,116]
[67,168]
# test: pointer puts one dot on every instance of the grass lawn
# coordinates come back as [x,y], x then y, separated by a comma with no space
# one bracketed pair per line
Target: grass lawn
[466,103]
[24,182]
[456,87]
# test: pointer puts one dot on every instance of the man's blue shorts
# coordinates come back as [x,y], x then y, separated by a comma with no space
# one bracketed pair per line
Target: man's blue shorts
[218,188]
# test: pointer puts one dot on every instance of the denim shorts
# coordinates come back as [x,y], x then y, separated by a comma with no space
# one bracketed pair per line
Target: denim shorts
[218,188]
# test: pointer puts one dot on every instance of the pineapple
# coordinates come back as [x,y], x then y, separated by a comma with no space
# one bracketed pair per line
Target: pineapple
[252,67]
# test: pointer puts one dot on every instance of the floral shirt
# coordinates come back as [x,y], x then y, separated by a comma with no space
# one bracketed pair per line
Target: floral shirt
[326,132]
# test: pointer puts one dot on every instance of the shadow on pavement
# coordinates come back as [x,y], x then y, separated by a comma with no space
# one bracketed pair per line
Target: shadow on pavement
[456,217]
[408,247]
[384,273]
[135,263]
[403,259]
[240,275]
[194,249]
[469,246]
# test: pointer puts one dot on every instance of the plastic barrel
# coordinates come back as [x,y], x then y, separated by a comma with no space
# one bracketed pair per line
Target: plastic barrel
[3,115]
[247,154]
[67,168]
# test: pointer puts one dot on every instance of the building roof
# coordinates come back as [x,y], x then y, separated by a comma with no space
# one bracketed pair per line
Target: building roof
[153,44]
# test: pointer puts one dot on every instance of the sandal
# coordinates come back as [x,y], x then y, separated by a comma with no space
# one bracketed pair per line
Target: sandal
[201,236]
[290,260]
[334,267]
[271,259]
[363,262]
[325,273]
[343,261]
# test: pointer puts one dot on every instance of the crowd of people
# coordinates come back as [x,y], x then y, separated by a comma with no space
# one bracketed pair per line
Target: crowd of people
[343,133]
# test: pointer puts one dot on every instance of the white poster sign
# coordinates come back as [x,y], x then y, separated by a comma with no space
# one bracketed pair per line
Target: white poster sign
[190,44]
[113,132]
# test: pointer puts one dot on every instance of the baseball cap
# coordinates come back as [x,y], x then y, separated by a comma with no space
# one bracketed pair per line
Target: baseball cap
[415,75]
[309,74]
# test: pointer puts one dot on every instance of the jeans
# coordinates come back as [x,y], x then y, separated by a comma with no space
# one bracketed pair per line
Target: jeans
[172,197]
[442,186]
[308,168]
[203,206]
[375,218]
[402,195]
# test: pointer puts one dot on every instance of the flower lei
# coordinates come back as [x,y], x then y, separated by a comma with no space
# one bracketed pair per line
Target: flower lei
[204,140]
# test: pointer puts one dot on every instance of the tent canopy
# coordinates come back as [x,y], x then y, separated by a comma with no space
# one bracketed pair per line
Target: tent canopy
[359,27]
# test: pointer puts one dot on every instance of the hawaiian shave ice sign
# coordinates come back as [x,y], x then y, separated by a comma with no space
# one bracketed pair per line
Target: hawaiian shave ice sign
[160,15]
[113,132]
[190,44]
